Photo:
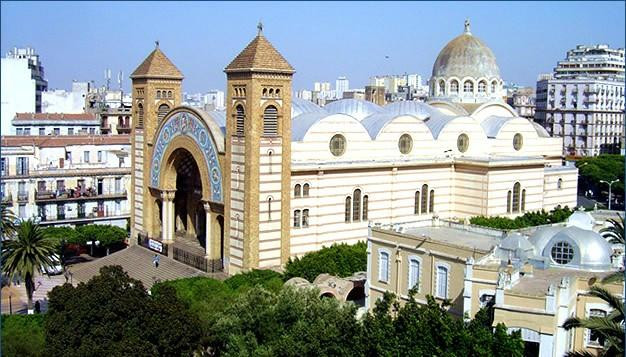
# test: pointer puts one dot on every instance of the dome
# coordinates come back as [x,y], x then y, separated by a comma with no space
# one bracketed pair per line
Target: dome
[466,56]
[418,109]
[357,108]
[515,246]
[302,106]
[582,220]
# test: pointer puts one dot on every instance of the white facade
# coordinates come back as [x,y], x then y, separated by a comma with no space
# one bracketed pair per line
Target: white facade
[62,101]
[341,85]
[22,84]
[214,100]
[27,124]
[583,101]
[67,181]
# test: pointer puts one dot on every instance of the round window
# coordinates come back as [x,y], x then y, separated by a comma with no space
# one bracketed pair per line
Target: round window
[518,141]
[462,143]
[562,252]
[405,144]
[338,145]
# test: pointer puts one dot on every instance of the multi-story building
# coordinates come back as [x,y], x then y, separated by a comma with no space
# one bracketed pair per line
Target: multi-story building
[116,120]
[67,180]
[535,278]
[583,101]
[214,100]
[341,85]
[22,84]
[523,101]
[39,124]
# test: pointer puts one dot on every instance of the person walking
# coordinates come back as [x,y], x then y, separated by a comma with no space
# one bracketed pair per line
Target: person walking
[156,260]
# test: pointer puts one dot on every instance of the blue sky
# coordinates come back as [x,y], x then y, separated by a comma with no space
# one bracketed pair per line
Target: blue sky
[321,40]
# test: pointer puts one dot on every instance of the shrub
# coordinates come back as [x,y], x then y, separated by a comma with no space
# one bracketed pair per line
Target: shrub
[340,259]
[268,279]
[22,335]
[529,219]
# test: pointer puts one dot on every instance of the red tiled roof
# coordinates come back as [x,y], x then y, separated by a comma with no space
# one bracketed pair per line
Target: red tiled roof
[64,140]
[55,116]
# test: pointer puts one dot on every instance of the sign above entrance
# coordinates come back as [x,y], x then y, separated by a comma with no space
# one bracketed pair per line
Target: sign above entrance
[185,123]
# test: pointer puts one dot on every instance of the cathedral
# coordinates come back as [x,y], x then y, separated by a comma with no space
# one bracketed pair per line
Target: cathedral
[275,177]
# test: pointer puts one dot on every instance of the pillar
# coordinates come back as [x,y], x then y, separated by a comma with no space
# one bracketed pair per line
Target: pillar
[209,237]
[168,215]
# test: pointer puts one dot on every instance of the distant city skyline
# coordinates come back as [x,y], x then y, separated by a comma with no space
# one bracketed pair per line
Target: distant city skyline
[323,41]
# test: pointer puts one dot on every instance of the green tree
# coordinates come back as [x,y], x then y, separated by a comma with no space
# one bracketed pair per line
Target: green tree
[22,335]
[592,170]
[8,221]
[106,235]
[610,328]
[26,253]
[339,259]
[113,315]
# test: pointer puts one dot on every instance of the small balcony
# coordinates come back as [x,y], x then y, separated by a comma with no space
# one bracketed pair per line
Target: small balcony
[76,195]
[22,196]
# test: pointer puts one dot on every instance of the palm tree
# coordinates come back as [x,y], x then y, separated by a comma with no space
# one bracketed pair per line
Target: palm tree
[609,328]
[27,252]
[8,218]
[614,234]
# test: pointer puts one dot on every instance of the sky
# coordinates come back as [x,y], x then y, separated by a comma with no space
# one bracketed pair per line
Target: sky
[321,40]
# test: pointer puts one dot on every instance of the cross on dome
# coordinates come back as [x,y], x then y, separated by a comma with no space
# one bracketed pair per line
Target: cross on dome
[467,26]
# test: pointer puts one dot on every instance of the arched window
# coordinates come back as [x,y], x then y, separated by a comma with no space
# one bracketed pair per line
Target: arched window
[265,92]
[494,85]
[240,116]
[305,218]
[270,121]
[163,109]
[468,86]
[169,94]
[348,209]
[271,92]
[454,86]
[365,203]
[277,92]
[158,94]
[269,208]
[356,205]
[296,218]
[431,200]
[414,273]
[383,266]
[442,87]
[424,207]
[516,197]
[140,115]
[508,202]
[523,200]
[296,190]
[482,87]
[416,204]
[305,190]
[442,282]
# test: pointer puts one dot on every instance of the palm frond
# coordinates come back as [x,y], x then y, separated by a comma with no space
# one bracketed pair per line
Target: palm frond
[579,354]
[614,277]
[614,301]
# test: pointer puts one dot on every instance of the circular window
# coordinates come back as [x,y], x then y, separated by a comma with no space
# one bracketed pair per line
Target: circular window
[562,253]
[518,141]
[338,145]
[405,144]
[462,143]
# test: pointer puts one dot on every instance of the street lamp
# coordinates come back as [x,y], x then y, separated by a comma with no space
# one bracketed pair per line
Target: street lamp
[610,184]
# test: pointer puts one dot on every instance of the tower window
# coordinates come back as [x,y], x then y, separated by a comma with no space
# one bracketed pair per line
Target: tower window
[169,94]
[305,190]
[240,117]
[270,121]
[158,94]
[482,87]
[162,112]
[140,115]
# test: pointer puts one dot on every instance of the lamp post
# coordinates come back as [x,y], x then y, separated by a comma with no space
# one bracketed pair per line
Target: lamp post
[610,184]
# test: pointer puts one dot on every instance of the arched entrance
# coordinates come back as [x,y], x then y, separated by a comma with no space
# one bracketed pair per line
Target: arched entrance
[188,207]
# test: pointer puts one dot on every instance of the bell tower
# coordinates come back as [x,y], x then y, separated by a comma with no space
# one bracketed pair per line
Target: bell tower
[258,157]
[156,89]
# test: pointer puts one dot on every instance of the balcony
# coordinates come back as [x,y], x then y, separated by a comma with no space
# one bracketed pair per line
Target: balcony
[90,217]
[22,196]
[88,194]
[123,129]
[8,199]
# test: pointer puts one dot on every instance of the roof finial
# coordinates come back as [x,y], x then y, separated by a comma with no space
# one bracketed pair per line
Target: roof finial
[156,43]
[467,26]
[260,28]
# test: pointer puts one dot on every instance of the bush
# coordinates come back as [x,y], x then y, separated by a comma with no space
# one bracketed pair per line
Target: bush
[340,259]
[22,335]
[107,235]
[63,233]
[529,219]
[268,279]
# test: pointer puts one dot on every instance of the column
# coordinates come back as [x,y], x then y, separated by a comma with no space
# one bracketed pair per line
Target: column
[168,215]
[208,239]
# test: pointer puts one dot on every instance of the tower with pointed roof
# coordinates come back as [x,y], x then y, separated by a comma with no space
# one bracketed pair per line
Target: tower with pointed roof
[258,156]
[156,89]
